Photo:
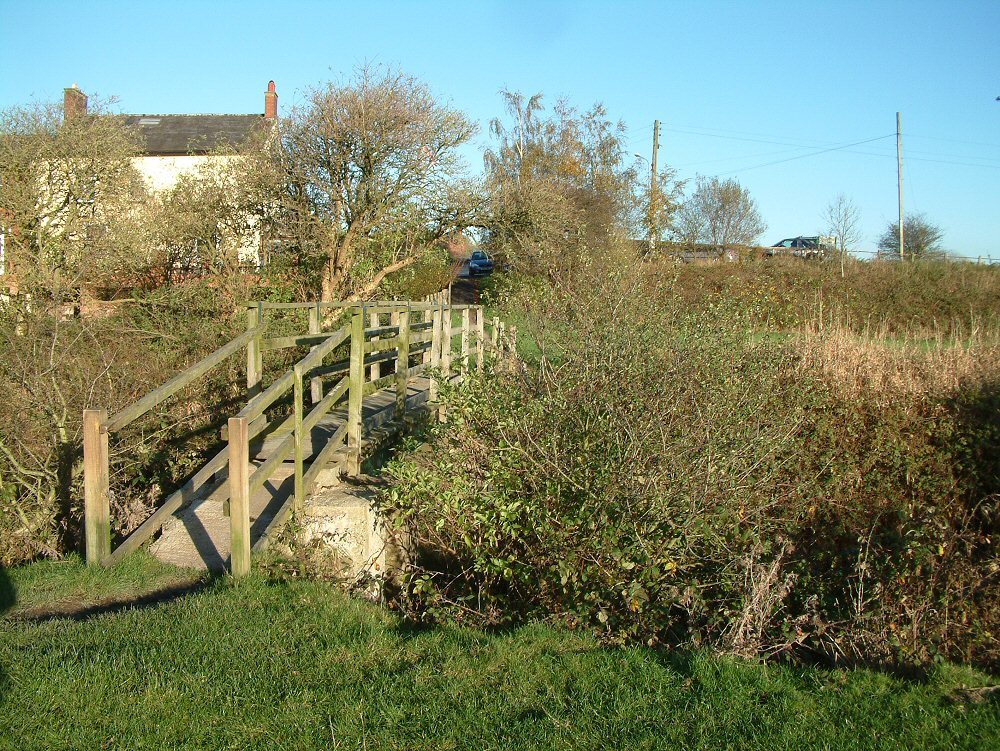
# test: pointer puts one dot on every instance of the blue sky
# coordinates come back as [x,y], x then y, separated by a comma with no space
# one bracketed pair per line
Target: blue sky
[737,86]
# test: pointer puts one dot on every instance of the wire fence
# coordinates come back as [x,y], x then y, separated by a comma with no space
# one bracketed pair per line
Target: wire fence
[945,256]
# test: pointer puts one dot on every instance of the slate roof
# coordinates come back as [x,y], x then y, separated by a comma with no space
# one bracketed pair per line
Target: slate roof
[173,135]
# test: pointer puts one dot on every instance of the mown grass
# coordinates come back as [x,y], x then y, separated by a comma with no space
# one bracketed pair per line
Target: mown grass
[275,664]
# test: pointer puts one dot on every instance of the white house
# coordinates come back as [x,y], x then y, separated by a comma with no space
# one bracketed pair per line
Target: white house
[174,145]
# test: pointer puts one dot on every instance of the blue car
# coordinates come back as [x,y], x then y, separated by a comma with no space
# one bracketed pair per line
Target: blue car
[480,263]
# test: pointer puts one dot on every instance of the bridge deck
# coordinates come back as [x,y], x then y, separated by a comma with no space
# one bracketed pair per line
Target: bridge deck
[197,536]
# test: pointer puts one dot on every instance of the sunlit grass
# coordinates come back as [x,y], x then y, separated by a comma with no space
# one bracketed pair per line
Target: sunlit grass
[295,664]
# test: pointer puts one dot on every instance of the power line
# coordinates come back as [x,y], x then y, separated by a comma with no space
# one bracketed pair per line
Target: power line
[803,156]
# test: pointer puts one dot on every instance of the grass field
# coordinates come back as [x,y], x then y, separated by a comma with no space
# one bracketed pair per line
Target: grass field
[278,664]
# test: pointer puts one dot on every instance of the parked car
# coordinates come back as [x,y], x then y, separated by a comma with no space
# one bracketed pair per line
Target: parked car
[480,263]
[803,247]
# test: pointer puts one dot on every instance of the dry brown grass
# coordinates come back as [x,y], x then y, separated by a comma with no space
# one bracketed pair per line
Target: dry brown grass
[928,364]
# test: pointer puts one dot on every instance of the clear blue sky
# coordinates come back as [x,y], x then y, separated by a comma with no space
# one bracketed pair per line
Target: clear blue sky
[737,85]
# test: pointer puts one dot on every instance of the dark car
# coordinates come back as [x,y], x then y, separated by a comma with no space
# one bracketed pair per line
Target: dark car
[480,263]
[802,247]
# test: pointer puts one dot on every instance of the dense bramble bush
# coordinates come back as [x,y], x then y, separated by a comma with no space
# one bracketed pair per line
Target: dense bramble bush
[659,474]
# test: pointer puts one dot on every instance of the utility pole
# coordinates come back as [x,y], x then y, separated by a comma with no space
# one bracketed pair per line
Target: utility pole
[899,167]
[653,233]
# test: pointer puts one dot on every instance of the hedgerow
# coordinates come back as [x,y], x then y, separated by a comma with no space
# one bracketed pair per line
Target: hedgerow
[663,475]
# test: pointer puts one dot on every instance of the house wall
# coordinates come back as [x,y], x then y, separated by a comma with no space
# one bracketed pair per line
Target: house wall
[161,173]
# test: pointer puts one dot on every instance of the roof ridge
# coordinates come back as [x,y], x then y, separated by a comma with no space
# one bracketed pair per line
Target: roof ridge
[192,114]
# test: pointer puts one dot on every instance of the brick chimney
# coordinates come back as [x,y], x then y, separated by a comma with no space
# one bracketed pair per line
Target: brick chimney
[74,103]
[271,102]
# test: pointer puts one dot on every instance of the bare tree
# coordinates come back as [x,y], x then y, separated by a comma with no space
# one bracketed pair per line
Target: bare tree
[921,239]
[842,219]
[720,213]
[365,159]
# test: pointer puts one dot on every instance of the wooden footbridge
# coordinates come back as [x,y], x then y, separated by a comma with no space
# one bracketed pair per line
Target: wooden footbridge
[380,361]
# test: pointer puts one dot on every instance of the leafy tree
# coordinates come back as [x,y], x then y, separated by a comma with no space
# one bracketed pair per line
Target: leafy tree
[921,239]
[720,213]
[371,169]
[68,192]
[842,218]
[661,202]
[560,185]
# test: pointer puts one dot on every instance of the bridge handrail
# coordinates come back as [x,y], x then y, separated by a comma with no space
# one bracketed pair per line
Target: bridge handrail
[419,330]
[137,409]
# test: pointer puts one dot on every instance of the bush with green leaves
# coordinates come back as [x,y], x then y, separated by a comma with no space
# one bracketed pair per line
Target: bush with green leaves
[662,475]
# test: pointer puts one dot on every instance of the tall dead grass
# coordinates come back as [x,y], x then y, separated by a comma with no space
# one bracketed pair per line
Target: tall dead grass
[877,363]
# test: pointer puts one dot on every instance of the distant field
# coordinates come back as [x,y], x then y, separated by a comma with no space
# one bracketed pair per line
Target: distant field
[268,664]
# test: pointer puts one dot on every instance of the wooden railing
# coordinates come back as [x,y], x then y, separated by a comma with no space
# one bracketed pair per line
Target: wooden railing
[344,363]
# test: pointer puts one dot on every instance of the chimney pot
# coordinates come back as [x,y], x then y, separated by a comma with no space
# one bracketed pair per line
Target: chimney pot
[271,102]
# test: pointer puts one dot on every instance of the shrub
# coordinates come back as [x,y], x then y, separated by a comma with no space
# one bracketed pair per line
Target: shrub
[899,298]
[52,367]
[662,475]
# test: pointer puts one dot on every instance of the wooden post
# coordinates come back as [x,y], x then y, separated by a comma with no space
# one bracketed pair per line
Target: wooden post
[501,337]
[466,329]
[376,368]
[480,337]
[96,504]
[255,358]
[402,361]
[427,317]
[495,334]
[316,384]
[239,496]
[357,383]
[445,352]
[300,493]
[435,349]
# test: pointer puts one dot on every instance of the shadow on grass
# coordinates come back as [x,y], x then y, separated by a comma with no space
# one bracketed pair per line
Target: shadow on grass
[76,612]
[7,599]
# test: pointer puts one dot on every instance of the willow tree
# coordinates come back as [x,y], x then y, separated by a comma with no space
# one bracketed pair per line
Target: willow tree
[373,171]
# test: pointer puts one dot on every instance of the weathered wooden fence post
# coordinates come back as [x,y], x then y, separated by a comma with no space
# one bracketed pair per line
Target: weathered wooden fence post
[446,335]
[97,504]
[239,496]
[255,358]
[357,384]
[300,439]
[436,318]
[376,368]
[315,327]
[446,340]
[427,317]
[480,337]
[402,361]
[466,328]
[495,334]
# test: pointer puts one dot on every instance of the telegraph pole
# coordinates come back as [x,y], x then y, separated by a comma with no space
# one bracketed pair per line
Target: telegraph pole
[899,167]
[652,187]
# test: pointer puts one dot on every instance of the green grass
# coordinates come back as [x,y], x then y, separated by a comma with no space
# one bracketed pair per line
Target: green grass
[55,586]
[297,665]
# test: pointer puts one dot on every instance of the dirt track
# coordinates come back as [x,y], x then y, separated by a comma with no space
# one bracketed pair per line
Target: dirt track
[464,289]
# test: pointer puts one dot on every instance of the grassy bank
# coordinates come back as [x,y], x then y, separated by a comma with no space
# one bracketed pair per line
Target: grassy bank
[293,664]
